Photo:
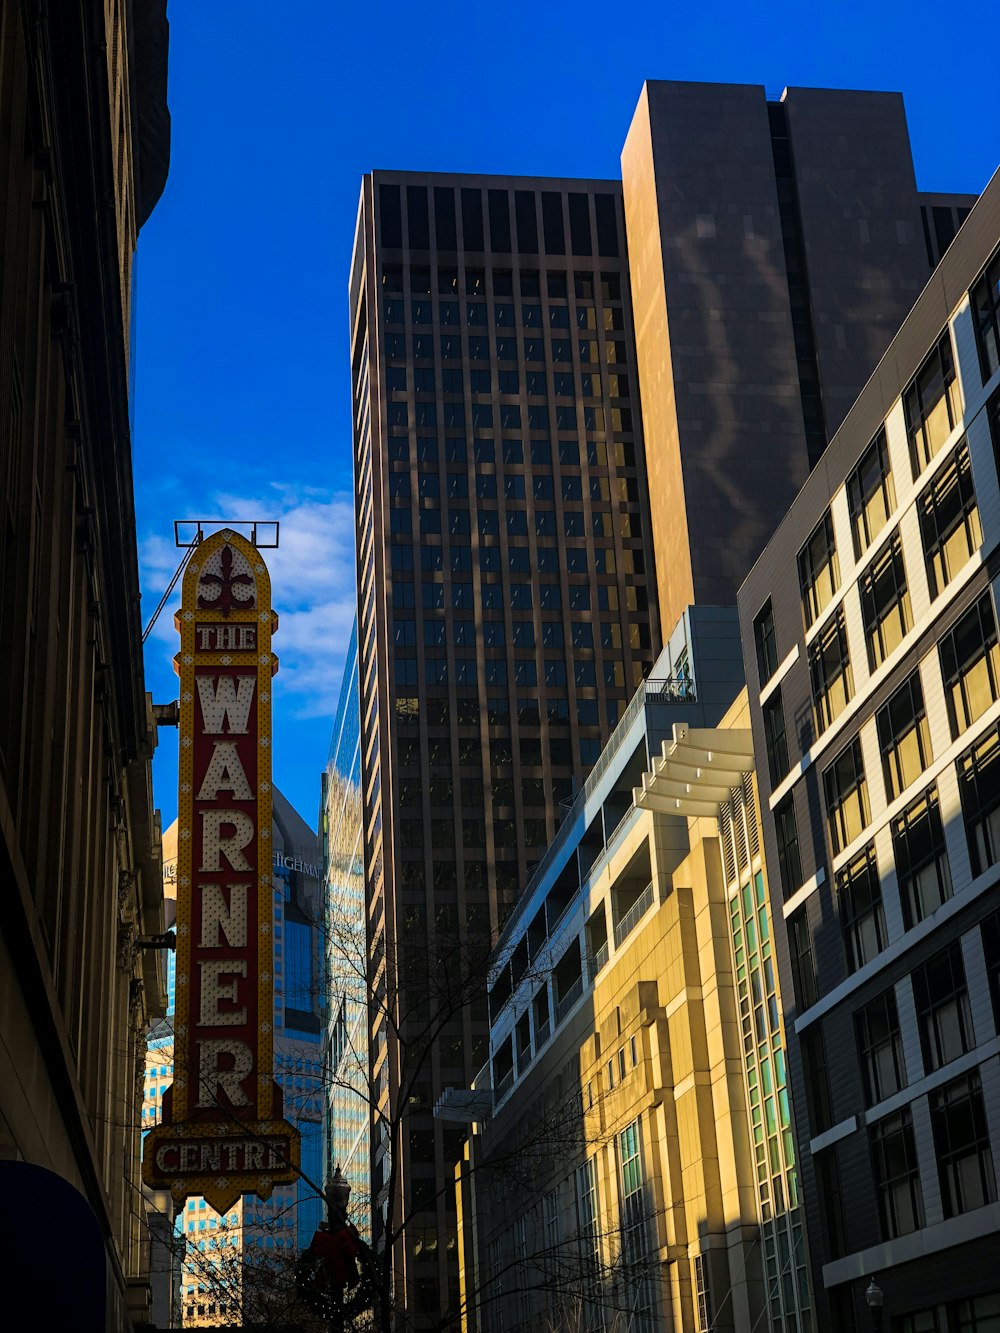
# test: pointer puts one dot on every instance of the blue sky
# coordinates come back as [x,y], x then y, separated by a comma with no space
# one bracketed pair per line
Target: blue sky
[242,405]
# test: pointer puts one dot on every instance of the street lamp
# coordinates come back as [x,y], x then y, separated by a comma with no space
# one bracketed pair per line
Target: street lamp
[873,1299]
[337,1192]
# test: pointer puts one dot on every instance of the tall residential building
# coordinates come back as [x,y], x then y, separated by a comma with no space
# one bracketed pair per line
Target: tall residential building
[634,1161]
[84,146]
[870,633]
[502,550]
[775,248]
[346,1060]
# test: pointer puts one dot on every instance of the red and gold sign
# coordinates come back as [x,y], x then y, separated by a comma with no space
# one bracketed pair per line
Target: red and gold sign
[223,1133]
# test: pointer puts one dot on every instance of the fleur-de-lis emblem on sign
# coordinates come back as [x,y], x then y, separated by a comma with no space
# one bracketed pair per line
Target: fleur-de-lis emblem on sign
[228,590]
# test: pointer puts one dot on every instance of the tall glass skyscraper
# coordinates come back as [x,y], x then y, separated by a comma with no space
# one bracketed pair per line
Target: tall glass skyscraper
[346,1060]
[503,547]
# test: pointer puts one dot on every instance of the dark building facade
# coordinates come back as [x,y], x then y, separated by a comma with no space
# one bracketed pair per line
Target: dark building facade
[775,246]
[84,144]
[503,550]
[869,630]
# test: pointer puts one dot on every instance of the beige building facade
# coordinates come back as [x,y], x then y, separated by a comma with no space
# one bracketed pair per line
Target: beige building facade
[637,1079]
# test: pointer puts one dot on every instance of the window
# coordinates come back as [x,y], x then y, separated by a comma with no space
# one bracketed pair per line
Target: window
[921,859]
[931,405]
[979,785]
[950,530]
[962,1145]
[897,1177]
[862,920]
[846,792]
[831,1201]
[981,1314]
[763,636]
[819,570]
[904,740]
[880,1047]
[985,300]
[702,1295]
[801,955]
[943,1013]
[885,602]
[870,494]
[816,1079]
[774,735]
[830,672]
[990,931]
[970,665]
[787,836]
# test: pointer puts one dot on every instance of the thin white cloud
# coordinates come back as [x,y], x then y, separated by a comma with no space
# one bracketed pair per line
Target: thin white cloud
[313,588]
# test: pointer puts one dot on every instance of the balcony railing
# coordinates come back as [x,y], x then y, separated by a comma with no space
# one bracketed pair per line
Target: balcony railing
[630,920]
[541,1034]
[599,958]
[566,1003]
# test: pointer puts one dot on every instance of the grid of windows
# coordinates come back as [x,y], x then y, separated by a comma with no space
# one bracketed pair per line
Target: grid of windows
[862,918]
[979,786]
[760,1020]
[897,1176]
[880,1047]
[943,1013]
[931,405]
[885,602]
[870,494]
[962,1145]
[903,736]
[970,665]
[636,1240]
[846,792]
[950,530]
[921,857]
[819,570]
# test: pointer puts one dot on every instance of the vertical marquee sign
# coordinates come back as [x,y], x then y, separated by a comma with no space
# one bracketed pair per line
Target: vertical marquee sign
[223,1133]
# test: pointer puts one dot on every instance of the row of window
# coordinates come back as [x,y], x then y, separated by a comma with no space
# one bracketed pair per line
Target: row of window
[424,309]
[424,415]
[963,1153]
[493,633]
[519,596]
[500,753]
[497,710]
[536,384]
[472,282]
[514,487]
[463,671]
[427,448]
[513,218]
[509,350]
